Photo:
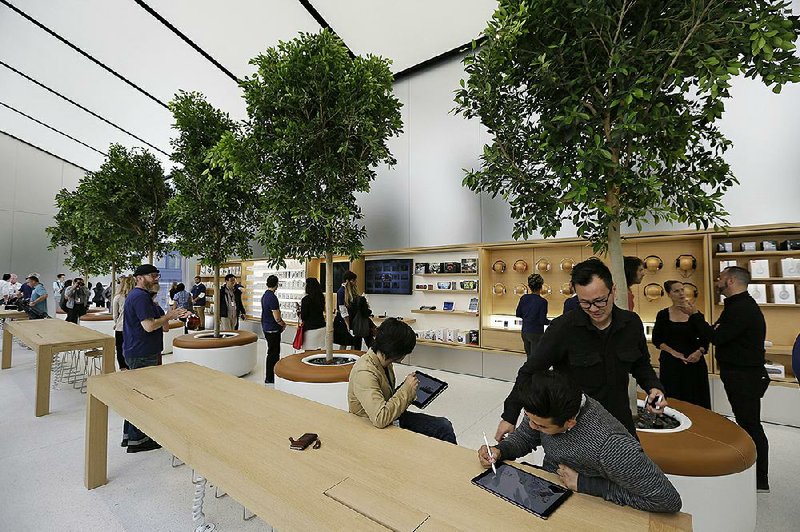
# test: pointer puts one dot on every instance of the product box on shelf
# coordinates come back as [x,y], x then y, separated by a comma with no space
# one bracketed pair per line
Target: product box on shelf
[462,337]
[758,292]
[748,246]
[421,268]
[759,269]
[428,334]
[790,267]
[446,285]
[726,264]
[783,294]
[470,285]
[769,245]
[473,337]
[434,267]
[469,265]
[452,336]
[440,335]
[790,245]
[505,321]
[725,247]
[775,370]
[450,267]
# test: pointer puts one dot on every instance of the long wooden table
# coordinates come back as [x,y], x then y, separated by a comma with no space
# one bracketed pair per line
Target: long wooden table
[48,337]
[236,433]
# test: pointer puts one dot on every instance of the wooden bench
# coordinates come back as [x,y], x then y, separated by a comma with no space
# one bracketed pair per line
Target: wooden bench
[236,433]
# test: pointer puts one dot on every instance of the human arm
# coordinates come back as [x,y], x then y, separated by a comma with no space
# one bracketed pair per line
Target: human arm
[520,442]
[641,368]
[42,297]
[278,319]
[239,304]
[153,324]
[382,412]
[630,478]
[659,337]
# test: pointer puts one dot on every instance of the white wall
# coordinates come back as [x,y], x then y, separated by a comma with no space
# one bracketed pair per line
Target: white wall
[421,202]
[29,181]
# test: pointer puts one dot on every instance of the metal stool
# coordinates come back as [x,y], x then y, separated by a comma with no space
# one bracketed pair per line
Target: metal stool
[92,366]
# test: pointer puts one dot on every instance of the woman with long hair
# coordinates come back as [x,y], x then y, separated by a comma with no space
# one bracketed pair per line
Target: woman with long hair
[117,311]
[312,315]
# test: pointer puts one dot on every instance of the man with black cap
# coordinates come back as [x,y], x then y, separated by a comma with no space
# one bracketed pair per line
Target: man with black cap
[143,339]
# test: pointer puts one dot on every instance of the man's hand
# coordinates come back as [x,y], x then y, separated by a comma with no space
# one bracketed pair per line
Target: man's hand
[568,476]
[694,357]
[662,402]
[503,429]
[688,308]
[175,313]
[413,381]
[483,456]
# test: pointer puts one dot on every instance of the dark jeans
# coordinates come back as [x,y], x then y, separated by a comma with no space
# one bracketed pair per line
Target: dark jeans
[531,342]
[130,433]
[435,427]
[120,357]
[75,312]
[273,353]
[744,387]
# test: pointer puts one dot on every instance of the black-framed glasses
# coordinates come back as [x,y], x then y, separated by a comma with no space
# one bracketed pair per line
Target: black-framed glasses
[598,303]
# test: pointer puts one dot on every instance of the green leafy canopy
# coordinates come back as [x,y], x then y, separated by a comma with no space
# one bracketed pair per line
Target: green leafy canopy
[605,112]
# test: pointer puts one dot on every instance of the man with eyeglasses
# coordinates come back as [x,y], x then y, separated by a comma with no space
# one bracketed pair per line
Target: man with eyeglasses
[598,346]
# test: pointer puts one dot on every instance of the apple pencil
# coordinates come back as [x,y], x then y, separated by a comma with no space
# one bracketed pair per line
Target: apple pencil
[489,452]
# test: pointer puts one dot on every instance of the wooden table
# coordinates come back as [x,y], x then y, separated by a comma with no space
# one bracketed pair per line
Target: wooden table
[236,433]
[48,337]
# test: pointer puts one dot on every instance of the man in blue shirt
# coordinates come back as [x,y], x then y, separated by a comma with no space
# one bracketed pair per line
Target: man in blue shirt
[38,297]
[273,325]
[532,308]
[26,288]
[143,339]
[199,301]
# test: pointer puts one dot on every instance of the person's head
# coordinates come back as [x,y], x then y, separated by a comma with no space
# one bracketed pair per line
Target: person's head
[90,284]
[394,339]
[147,277]
[78,281]
[196,279]
[32,280]
[535,282]
[634,270]
[595,290]
[349,277]
[12,278]
[551,401]
[60,276]
[180,288]
[99,285]
[313,288]
[230,280]
[67,283]
[125,286]
[272,282]
[6,276]
[733,280]
[675,291]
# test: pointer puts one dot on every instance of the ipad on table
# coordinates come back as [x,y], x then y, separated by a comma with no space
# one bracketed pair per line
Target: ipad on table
[429,389]
[534,494]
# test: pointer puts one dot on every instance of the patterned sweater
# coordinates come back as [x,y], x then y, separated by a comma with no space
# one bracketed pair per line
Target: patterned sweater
[609,461]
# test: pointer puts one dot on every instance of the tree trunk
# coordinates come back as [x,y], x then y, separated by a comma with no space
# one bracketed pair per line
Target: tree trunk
[113,281]
[150,256]
[217,301]
[615,257]
[329,305]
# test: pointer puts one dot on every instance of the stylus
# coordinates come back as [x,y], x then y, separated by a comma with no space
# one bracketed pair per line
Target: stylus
[489,452]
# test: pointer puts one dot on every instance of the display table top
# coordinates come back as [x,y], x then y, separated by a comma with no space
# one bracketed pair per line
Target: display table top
[54,333]
[236,433]
[12,315]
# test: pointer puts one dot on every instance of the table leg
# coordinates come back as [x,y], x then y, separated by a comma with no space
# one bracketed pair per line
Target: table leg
[96,457]
[44,363]
[7,337]
[109,356]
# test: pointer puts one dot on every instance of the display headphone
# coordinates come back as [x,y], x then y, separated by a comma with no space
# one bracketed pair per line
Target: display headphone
[520,266]
[653,292]
[693,288]
[653,263]
[543,266]
[686,272]
[520,290]
[499,266]
[499,289]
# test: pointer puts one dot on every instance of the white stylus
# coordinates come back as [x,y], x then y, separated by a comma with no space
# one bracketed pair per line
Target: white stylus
[489,452]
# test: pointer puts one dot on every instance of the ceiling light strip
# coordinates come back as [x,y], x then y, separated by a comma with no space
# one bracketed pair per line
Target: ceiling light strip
[433,61]
[79,106]
[34,146]
[29,117]
[84,54]
[322,22]
[186,39]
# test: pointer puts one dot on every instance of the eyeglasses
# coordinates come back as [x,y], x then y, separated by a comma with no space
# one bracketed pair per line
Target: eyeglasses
[154,275]
[598,303]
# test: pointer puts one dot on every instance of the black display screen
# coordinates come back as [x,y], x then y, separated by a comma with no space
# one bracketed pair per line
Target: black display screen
[429,388]
[389,276]
[339,269]
[537,495]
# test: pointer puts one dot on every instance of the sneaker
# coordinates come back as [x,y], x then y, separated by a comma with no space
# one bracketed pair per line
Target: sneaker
[763,489]
[149,445]
[267,381]
[124,443]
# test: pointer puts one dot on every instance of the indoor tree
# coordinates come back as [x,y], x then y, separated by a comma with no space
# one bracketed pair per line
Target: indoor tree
[213,207]
[606,112]
[318,124]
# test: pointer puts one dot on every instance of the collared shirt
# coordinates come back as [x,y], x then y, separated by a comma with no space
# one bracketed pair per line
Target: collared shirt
[137,342]
[269,302]
[183,299]
[58,287]
[598,361]
[26,290]
[199,290]
[738,335]
[38,291]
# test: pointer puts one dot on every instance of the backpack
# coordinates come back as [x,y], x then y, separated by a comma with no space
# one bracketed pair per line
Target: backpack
[359,321]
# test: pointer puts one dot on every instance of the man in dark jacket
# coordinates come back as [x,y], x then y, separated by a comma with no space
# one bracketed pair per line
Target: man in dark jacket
[738,338]
[599,345]
[230,304]
[199,300]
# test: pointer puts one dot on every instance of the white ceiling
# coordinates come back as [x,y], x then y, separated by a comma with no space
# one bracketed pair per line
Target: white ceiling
[129,63]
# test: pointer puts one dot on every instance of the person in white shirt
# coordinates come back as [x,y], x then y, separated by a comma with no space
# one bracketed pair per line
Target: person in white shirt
[4,285]
[13,286]
[58,286]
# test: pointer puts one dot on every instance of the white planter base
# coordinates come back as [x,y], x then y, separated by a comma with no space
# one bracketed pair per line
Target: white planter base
[328,393]
[105,327]
[169,337]
[237,360]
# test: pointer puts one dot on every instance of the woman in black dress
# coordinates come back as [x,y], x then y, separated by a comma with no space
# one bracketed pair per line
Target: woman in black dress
[312,316]
[683,371]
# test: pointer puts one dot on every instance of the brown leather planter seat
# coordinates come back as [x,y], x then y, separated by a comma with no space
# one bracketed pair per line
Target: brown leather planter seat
[292,368]
[188,341]
[712,446]
[97,317]
[90,310]
[174,324]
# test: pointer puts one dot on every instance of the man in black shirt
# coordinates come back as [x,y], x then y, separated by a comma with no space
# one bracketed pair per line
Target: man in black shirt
[599,345]
[738,338]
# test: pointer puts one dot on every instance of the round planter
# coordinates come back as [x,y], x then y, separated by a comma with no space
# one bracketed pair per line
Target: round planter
[711,462]
[323,384]
[100,322]
[235,353]
[60,314]
[175,330]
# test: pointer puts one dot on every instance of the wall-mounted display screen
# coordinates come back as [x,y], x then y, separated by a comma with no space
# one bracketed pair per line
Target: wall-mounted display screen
[339,269]
[389,276]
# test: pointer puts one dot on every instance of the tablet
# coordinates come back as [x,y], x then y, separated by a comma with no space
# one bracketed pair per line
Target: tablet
[429,389]
[534,494]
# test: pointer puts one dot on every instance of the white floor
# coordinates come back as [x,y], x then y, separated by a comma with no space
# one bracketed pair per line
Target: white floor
[41,462]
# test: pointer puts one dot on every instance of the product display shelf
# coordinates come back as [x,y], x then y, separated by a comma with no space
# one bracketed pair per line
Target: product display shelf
[453,345]
[455,312]
[777,279]
[786,253]
[446,274]
[447,291]
[290,291]
[207,278]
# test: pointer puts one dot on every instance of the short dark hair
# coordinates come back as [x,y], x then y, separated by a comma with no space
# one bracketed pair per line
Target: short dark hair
[550,395]
[6,276]
[349,276]
[741,275]
[180,288]
[583,272]
[535,282]
[230,276]
[272,281]
[668,284]
[34,278]
[631,267]
[59,275]
[394,339]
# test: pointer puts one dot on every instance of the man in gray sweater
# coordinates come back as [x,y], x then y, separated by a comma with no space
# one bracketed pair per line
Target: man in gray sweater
[587,447]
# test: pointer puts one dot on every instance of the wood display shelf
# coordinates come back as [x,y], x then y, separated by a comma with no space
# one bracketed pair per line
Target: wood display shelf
[789,279]
[773,305]
[381,319]
[454,274]
[757,253]
[457,312]
[454,345]
[453,291]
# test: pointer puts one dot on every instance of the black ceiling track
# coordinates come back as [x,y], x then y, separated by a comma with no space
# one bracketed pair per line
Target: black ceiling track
[35,147]
[433,61]
[186,39]
[48,126]
[322,22]
[83,53]
[79,106]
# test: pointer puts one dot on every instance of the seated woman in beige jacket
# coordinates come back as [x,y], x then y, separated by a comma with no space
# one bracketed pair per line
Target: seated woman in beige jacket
[371,393]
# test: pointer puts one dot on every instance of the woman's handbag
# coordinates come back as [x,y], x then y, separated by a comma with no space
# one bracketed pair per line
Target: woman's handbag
[298,337]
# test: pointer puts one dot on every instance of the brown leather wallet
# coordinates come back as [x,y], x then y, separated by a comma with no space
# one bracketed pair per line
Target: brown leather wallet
[304,441]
